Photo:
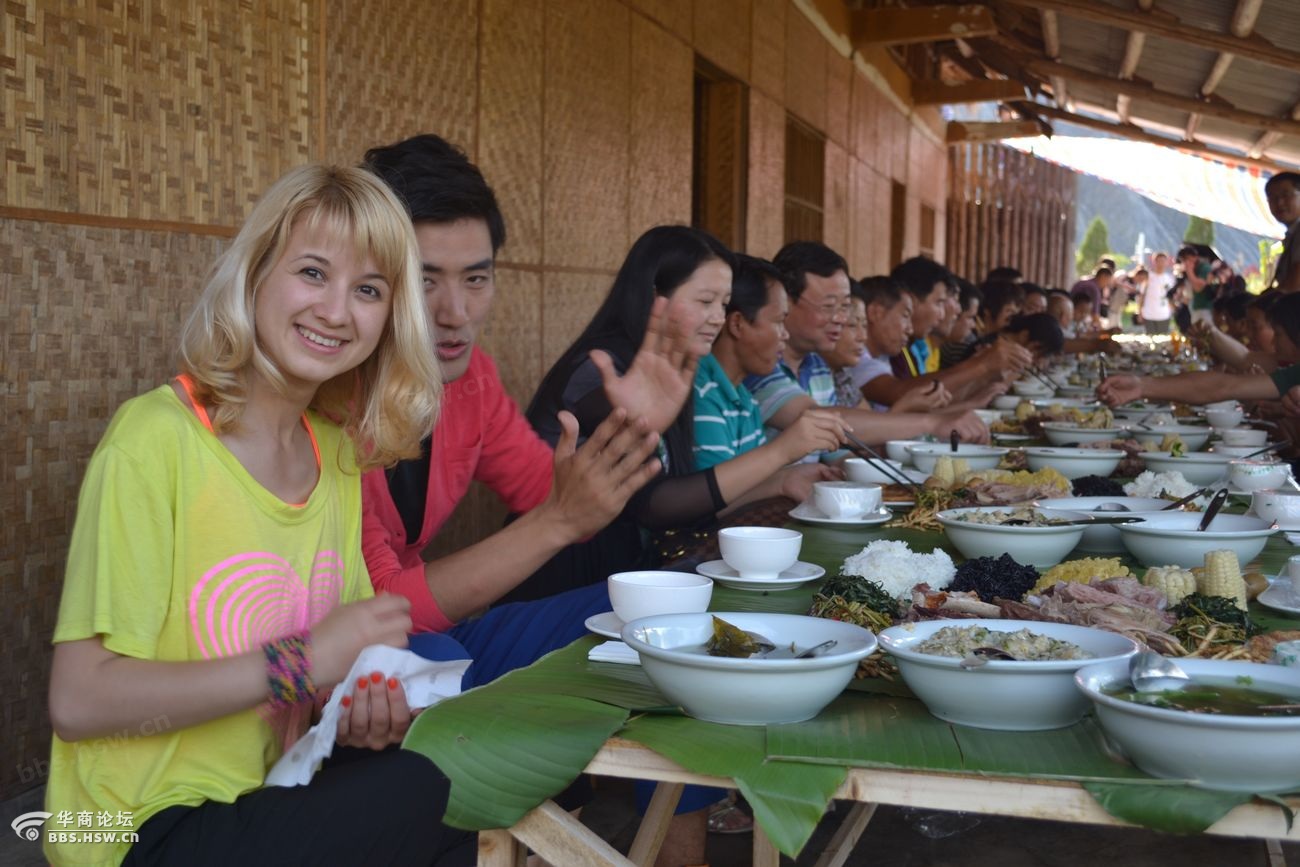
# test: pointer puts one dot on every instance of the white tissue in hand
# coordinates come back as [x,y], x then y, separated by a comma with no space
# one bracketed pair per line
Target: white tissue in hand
[425,681]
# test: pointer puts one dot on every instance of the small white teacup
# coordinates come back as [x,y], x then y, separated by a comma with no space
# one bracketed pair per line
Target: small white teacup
[846,499]
[1257,475]
[1293,572]
[1224,418]
[759,553]
[1243,436]
[1279,505]
[633,595]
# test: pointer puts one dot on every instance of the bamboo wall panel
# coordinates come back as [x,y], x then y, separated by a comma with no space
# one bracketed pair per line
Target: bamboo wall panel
[767,58]
[839,75]
[430,45]
[835,225]
[805,71]
[91,319]
[1008,208]
[180,112]
[766,205]
[658,178]
[514,331]
[585,138]
[568,302]
[511,89]
[676,15]
[722,34]
[863,130]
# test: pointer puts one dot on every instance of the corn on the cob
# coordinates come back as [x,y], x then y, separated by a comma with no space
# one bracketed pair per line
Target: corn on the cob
[1174,581]
[1222,577]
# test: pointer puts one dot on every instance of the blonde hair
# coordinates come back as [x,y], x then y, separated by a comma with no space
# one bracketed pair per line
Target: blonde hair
[388,403]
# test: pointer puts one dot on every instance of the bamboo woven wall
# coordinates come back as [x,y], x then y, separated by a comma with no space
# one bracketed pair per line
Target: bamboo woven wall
[136,135]
[1009,208]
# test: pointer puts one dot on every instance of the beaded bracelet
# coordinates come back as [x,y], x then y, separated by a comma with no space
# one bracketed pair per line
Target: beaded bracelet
[288,673]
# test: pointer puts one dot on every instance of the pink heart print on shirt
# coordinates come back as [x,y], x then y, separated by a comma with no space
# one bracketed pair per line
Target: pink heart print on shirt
[256,597]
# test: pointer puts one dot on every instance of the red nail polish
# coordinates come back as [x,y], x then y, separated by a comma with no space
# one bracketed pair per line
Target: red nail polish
[346,701]
[376,677]
[392,683]
[361,683]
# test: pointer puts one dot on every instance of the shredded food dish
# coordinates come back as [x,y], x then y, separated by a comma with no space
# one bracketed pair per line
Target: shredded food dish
[1030,518]
[1025,646]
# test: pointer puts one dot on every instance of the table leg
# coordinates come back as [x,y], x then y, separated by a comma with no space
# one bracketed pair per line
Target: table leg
[765,854]
[554,834]
[1276,857]
[497,848]
[654,825]
[846,836]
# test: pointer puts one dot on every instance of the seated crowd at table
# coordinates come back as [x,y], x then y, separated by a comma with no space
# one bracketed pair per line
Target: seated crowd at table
[245,530]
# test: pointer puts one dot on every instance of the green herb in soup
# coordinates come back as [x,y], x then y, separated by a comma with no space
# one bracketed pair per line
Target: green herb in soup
[1214,698]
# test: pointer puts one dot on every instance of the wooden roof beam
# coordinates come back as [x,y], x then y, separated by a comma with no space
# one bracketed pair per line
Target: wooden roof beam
[1167,26]
[1268,139]
[965,132]
[1052,46]
[1133,46]
[1128,130]
[893,25]
[1146,93]
[935,92]
[1241,26]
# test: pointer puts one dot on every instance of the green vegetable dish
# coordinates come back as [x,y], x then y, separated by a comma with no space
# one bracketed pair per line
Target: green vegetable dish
[1214,698]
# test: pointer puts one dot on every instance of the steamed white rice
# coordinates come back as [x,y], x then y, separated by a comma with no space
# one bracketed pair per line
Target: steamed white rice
[897,568]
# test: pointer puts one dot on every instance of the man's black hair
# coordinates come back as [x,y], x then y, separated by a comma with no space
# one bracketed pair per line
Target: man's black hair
[438,183]
[1292,178]
[920,274]
[798,259]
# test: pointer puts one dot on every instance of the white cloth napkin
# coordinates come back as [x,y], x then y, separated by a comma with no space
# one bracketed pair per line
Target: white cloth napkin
[614,651]
[426,683]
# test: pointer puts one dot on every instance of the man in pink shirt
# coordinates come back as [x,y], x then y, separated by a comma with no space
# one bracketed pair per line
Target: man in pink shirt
[561,497]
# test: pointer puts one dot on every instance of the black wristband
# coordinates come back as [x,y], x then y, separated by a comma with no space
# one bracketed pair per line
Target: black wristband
[714,491]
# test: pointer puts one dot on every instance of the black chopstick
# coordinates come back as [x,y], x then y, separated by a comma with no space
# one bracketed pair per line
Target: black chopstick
[868,454]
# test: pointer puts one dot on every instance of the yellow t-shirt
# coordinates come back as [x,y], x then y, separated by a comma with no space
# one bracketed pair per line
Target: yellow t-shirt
[179,554]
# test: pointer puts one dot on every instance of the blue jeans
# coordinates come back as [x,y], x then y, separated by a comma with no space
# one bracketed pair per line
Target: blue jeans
[518,634]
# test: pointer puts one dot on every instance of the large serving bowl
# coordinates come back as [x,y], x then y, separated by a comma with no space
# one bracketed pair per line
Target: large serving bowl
[1060,433]
[754,691]
[866,473]
[1193,437]
[926,455]
[1199,468]
[1002,694]
[1032,546]
[1083,392]
[1242,436]
[1032,388]
[897,451]
[1171,538]
[1103,538]
[1279,505]
[1214,751]
[1073,463]
[1047,403]
[1005,401]
[1140,411]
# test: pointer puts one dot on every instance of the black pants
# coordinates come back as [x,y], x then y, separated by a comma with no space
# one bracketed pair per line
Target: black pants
[362,808]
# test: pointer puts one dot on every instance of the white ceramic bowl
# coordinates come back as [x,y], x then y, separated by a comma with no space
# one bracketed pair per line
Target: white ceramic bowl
[1047,403]
[896,450]
[1199,468]
[642,594]
[1171,538]
[1193,437]
[1258,474]
[862,472]
[988,416]
[1241,451]
[1073,463]
[1140,411]
[1005,401]
[1281,505]
[1032,546]
[748,691]
[1103,538]
[1224,418]
[1002,694]
[1214,751]
[1032,388]
[759,553]
[837,499]
[1060,433]
[1078,391]
[1243,436]
[926,455]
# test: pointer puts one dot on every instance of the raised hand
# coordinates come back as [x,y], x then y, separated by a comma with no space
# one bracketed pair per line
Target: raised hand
[923,398]
[374,713]
[1119,389]
[338,640]
[967,424]
[1291,401]
[797,481]
[593,482]
[814,431]
[659,380]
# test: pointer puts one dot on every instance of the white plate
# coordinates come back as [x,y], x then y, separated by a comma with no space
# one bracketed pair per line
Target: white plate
[812,515]
[799,573]
[607,624]
[1012,437]
[1280,597]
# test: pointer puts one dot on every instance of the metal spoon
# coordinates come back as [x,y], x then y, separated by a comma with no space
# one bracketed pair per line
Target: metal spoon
[1183,501]
[953,439]
[1112,507]
[1117,519]
[1213,509]
[981,656]
[765,645]
[1151,672]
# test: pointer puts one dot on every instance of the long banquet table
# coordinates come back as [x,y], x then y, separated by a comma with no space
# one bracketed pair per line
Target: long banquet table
[874,745]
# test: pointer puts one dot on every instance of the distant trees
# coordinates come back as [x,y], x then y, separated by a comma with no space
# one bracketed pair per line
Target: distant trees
[1095,245]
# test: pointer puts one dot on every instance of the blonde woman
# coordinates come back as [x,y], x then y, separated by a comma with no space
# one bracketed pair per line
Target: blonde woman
[215,585]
